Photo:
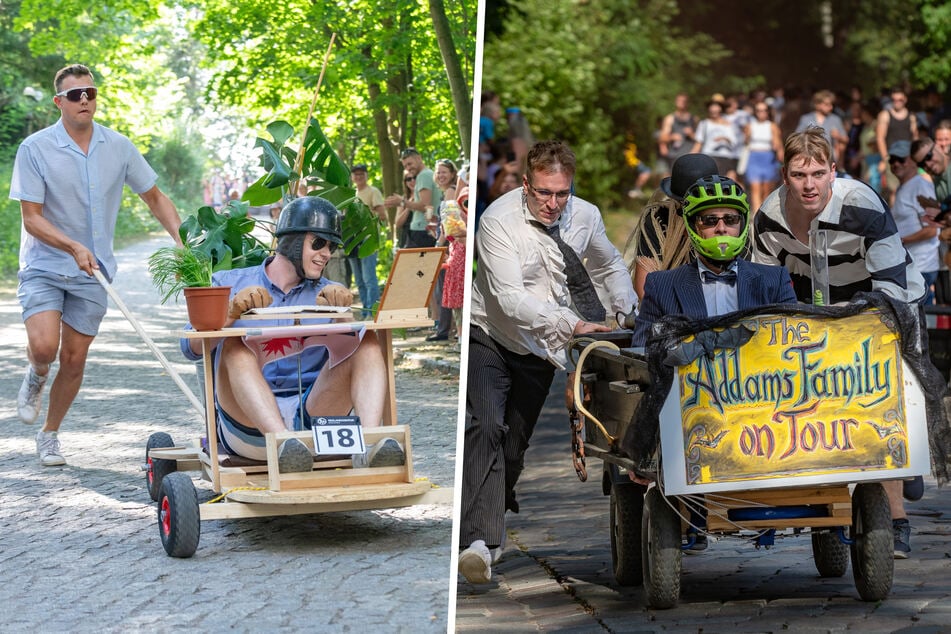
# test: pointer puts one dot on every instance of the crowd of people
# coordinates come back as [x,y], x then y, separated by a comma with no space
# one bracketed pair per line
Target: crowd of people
[871,141]
[741,192]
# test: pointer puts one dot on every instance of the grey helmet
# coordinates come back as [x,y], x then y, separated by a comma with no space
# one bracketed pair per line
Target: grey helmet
[310,214]
[301,216]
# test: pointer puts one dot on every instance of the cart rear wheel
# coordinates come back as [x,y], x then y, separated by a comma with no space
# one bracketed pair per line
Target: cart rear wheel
[179,518]
[627,508]
[661,551]
[157,468]
[873,563]
[831,554]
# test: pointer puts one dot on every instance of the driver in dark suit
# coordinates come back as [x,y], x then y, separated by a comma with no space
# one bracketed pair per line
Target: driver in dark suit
[716,216]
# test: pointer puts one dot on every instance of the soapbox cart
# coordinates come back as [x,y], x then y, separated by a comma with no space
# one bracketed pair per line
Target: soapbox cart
[787,430]
[247,488]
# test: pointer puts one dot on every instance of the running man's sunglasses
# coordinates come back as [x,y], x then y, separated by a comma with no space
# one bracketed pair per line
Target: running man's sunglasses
[320,243]
[76,94]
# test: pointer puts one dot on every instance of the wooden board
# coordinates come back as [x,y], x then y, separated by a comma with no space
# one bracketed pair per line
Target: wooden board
[837,500]
[386,496]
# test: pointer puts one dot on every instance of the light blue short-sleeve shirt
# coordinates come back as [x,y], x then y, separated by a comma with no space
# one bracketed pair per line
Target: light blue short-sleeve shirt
[81,193]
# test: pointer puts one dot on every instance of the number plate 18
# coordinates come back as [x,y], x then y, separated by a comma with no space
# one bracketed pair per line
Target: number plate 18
[338,435]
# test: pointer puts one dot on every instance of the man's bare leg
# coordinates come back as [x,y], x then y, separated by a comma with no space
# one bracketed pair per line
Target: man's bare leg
[357,383]
[69,377]
[242,390]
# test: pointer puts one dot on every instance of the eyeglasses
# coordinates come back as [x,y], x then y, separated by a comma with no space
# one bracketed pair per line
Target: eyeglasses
[730,220]
[544,195]
[896,159]
[410,151]
[77,94]
[923,162]
[409,179]
[319,243]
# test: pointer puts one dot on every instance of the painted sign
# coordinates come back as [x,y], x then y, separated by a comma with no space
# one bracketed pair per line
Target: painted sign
[806,397]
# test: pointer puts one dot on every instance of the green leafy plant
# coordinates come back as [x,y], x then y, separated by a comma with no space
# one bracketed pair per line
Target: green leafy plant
[224,237]
[174,269]
[316,167]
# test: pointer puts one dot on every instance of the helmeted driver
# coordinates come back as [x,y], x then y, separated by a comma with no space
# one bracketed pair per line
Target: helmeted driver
[252,399]
[716,216]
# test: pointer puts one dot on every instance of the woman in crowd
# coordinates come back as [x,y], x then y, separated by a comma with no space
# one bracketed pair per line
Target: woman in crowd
[765,154]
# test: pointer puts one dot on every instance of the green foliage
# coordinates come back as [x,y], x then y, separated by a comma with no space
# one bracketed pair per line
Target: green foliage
[9,226]
[596,96]
[934,66]
[178,164]
[176,268]
[224,238]
[322,172]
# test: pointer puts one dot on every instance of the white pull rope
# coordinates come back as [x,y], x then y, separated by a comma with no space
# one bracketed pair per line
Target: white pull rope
[148,341]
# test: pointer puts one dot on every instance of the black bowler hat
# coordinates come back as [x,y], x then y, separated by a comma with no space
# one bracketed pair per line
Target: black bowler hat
[686,171]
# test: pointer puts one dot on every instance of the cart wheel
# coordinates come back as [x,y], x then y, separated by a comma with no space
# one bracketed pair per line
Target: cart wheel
[873,563]
[831,554]
[157,467]
[661,552]
[179,519]
[627,508]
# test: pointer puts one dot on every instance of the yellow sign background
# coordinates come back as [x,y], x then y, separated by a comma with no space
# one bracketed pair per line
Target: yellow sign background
[804,396]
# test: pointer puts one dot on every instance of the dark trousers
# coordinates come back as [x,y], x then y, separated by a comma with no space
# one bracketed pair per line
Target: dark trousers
[504,395]
[445,314]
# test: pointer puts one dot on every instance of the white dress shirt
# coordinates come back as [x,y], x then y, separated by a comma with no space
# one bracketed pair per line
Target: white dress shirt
[520,296]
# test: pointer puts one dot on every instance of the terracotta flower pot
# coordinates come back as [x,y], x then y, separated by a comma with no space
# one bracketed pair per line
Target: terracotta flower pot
[207,306]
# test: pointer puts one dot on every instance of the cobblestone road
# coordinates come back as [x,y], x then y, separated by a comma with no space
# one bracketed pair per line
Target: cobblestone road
[80,549]
[556,572]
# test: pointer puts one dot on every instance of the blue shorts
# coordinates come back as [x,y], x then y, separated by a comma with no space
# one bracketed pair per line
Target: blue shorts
[762,167]
[241,440]
[81,300]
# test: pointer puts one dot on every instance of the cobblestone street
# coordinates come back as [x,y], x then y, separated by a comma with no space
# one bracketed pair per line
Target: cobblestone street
[80,549]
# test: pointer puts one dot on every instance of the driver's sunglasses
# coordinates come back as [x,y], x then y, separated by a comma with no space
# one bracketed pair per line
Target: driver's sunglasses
[76,94]
[730,220]
[923,162]
[320,243]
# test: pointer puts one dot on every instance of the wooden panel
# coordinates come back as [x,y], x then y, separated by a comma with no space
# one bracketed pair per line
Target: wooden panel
[837,500]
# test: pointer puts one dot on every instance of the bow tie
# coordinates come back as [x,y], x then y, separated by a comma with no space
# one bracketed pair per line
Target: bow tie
[727,277]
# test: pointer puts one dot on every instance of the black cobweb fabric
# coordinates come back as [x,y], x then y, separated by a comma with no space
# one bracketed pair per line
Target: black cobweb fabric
[641,438]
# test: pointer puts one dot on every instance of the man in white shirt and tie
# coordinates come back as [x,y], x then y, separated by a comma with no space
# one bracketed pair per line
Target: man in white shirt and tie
[527,297]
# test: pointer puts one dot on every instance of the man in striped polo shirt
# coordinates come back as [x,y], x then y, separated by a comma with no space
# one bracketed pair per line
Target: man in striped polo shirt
[865,249]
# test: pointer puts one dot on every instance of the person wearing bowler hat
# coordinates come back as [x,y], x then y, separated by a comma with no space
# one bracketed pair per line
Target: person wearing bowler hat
[660,239]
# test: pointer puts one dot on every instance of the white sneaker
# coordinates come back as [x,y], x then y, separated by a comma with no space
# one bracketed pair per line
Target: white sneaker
[47,448]
[30,396]
[475,563]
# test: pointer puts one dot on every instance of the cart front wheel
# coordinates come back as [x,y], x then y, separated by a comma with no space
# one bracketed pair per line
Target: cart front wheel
[873,542]
[661,551]
[179,518]
[627,508]
[157,468]
[830,553]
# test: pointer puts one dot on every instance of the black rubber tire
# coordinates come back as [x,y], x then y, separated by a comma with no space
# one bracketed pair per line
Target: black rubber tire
[627,509]
[157,467]
[873,547]
[179,518]
[830,553]
[661,552]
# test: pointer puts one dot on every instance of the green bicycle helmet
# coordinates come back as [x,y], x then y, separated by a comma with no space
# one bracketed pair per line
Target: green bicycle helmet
[716,192]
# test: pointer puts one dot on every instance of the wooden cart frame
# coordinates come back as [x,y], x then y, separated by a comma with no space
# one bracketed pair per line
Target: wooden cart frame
[260,490]
[849,517]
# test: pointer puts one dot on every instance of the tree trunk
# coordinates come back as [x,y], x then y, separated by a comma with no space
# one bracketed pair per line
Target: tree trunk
[461,97]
